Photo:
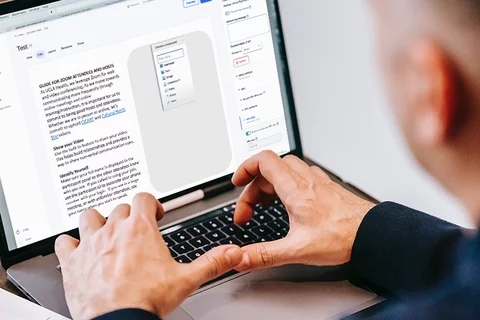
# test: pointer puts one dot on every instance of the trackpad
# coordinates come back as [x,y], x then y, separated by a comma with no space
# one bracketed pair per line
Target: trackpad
[277,295]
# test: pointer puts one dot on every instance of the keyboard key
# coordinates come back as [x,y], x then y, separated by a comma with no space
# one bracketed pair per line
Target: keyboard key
[231,230]
[210,247]
[277,224]
[262,231]
[183,259]
[215,236]
[249,225]
[262,217]
[182,248]
[195,254]
[264,239]
[199,242]
[197,231]
[173,253]
[277,235]
[276,212]
[245,236]
[231,240]
[213,224]
[169,242]
[180,236]
[282,209]
[226,218]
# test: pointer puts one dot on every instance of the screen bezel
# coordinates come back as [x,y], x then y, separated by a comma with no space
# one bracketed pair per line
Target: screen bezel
[46,246]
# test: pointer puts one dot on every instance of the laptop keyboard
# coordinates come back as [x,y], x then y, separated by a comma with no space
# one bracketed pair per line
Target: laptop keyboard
[191,239]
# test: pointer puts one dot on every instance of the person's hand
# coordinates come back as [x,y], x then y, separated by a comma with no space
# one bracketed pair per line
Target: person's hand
[324,217]
[124,263]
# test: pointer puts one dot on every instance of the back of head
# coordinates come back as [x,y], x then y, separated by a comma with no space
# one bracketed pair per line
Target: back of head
[429,53]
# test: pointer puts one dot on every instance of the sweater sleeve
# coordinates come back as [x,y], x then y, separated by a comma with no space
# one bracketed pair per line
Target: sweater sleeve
[404,250]
[128,314]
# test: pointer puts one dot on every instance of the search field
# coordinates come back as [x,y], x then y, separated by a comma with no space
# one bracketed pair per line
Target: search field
[172,55]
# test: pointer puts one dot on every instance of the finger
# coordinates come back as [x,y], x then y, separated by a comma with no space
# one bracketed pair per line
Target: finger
[259,191]
[213,264]
[90,222]
[146,205]
[266,255]
[64,246]
[271,167]
[120,213]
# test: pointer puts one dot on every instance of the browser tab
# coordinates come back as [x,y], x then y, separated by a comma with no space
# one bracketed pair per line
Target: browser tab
[34,9]
[19,13]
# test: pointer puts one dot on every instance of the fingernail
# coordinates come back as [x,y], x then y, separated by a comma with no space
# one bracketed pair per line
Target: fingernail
[234,256]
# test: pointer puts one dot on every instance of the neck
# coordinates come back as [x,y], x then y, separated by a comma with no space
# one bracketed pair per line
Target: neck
[465,184]
[470,197]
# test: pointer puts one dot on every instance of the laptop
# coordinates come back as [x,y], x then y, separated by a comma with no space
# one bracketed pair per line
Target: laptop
[102,99]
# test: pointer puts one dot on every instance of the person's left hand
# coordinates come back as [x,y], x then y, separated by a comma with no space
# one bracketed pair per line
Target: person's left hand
[124,263]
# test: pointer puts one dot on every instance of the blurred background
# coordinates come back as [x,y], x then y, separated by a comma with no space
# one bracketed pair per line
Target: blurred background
[345,120]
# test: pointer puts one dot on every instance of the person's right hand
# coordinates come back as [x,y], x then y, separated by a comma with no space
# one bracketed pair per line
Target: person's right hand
[324,217]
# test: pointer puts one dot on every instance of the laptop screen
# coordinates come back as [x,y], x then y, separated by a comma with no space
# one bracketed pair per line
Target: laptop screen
[102,99]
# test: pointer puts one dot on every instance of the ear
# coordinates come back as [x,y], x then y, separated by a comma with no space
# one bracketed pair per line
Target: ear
[432,89]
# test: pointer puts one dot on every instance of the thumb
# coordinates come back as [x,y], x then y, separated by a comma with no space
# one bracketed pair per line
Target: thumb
[266,255]
[213,264]
[64,246]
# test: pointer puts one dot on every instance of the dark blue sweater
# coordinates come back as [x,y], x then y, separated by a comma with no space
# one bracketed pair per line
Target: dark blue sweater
[432,266]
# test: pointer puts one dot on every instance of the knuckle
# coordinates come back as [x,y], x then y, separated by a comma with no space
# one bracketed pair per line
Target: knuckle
[122,207]
[330,183]
[144,197]
[268,154]
[322,175]
[214,266]
[138,224]
[302,182]
[89,213]
[297,202]
[290,201]
[291,158]
[265,257]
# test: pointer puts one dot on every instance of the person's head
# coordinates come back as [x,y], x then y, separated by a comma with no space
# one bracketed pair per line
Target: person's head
[430,59]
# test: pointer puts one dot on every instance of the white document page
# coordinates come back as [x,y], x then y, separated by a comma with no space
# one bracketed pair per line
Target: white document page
[13,307]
